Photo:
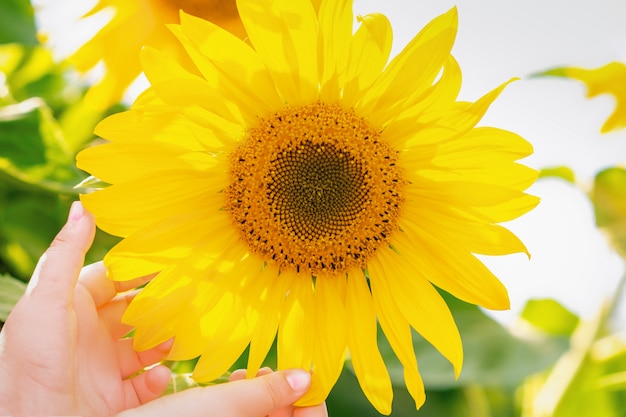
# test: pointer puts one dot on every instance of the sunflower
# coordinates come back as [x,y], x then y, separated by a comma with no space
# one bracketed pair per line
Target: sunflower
[134,24]
[305,189]
[608,79]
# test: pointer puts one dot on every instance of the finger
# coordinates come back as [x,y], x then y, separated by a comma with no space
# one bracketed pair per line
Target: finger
[102,289]
[254,397]
[315,411]
[237,375]
[57,270]
[147,386]
[240,374]
[111,313]
[132,361]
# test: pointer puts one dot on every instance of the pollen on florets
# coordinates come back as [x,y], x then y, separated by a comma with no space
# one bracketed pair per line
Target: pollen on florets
[314,189]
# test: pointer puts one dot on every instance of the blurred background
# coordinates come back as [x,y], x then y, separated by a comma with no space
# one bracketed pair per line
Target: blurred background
[560,350]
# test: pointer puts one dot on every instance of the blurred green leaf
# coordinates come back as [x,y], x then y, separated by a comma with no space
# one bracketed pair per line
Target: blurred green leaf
[493,356]
[31,71]
[550,316]
[17,22]
[562,172]
[32,148]
[78,122]
[27,226]
[613,381]
[102,243]
[609,199]
[573,386]
[37,75]
[347,400]
[11,290]
[582,396]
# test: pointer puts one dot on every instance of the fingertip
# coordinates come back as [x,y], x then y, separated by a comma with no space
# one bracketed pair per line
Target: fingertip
[157,379]
[78,231]
[146,386]
[237,375]
[264,371]
[77,211]
[59,267]
[298,379]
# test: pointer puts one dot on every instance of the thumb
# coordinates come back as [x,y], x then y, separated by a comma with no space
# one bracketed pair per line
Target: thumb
[255,397]
[58,268]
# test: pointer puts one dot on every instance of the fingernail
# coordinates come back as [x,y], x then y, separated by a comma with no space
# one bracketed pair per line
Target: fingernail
[76,211]
[299,380]
[166,346]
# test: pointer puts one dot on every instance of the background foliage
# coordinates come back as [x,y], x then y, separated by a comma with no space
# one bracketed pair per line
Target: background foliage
[550,363]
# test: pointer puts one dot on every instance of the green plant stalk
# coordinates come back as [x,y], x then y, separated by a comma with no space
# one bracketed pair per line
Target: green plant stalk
[553,391]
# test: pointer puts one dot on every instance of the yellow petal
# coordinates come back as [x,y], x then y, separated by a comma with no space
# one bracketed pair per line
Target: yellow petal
[367,362]
[435,101]
[146,308]
[186,92]
[420,304]
[295,335]
[170,127]
[124,208]
[335,25]
[284,33]
[371,46]
[136,160]
[165,243]
[229,65]
[398,332]
[442,125]
[148,337]
[226,343]
[213,326]
[217,305]
[271,301]
[329,343]
[159,66]
[450,267]
[409,71]
[509,210]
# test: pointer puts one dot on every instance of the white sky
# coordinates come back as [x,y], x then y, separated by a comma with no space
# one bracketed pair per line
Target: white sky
[497,40]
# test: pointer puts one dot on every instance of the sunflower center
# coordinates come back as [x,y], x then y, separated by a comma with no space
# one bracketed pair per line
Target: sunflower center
[317,189]
[314,189]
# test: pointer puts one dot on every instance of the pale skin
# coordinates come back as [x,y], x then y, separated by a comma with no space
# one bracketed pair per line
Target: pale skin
[62,351]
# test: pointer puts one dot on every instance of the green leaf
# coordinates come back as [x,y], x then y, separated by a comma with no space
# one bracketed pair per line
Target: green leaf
[27,226]
[550,316]
[17,22]
[32,148]
[11,289]
[493,356]
[578,395]
[562,172]
[347,400]
[613,381]
[609,199]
